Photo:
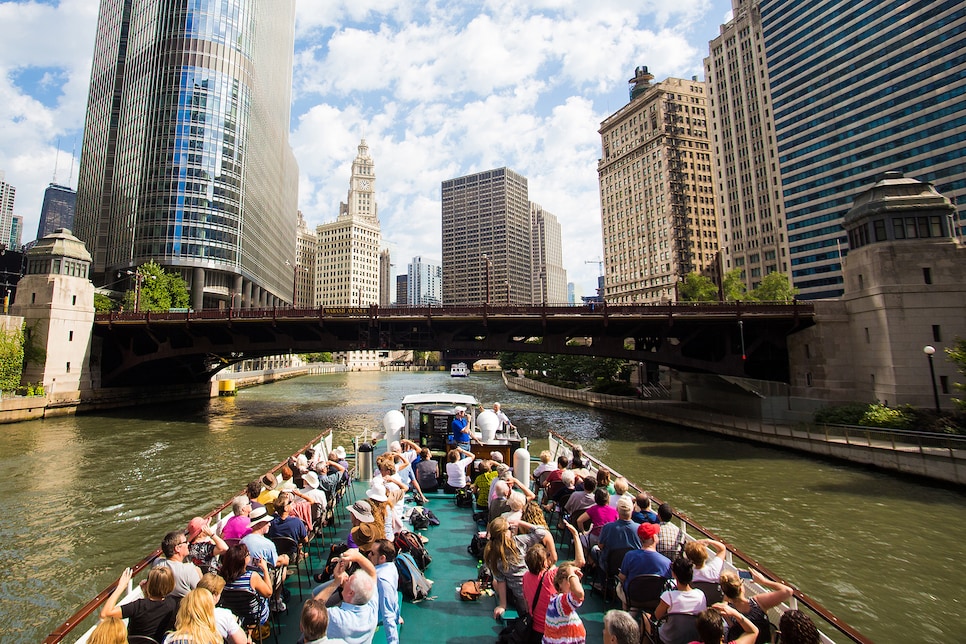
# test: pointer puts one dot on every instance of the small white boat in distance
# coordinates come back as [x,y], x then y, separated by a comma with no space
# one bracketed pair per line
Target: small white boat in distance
[459,370]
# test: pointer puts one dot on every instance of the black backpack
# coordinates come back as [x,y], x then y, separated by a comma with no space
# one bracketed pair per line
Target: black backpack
[464,498]
[406,541]
[477,545]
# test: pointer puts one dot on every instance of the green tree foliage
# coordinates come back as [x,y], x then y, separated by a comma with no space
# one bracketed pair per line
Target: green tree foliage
[774,288]
[585,371]
[697,288]
[734,286]
[11,359]
[325,356]
[103,304]
[957,355]
[160,290]
[878,415]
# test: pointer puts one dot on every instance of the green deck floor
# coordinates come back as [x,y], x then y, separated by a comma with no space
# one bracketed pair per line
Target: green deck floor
[444,618]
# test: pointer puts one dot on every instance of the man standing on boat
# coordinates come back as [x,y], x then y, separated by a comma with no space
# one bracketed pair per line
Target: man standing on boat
[505,424]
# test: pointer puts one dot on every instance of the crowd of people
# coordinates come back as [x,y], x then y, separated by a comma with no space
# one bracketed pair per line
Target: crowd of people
[615,535]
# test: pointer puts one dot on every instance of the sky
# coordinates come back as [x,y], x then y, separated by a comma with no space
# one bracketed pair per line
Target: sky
[438,89]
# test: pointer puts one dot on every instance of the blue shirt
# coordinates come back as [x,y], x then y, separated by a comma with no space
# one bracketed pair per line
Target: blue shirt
[458,427]
[645,562]
[617,535]
[387,581]
[354,624]
[259,547]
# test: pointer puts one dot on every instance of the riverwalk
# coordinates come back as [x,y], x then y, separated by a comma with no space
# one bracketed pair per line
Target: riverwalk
[940,457]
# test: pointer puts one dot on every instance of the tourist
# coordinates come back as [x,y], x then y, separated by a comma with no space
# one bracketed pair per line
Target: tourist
[204,545]
[291,527]
[563,625]
[712,627]
[195,623]
[577,460]
[620,628]
[252,491]
[567,488]
[382,509]
[481,484]
[314,623]
[504,556]
[153,614]
[581,499]
[539,577]
[237,526]
[616,535]
[554,480]
[755,608]
[356,617]
[621,487]
[643,512]
[382,554]
[706,569]
[109,631]
[603,480]
[514,511]
[459,430]
[670,536]
[226,623]
[427,472]
[797,628]
[269,489]
[598,515]
[310,490]
[241,572]
[186,574]
[259,545]
[457,460]
[646,561]
[682,600]
[543,470]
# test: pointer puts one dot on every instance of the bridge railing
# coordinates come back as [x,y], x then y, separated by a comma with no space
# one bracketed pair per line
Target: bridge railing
[373,312]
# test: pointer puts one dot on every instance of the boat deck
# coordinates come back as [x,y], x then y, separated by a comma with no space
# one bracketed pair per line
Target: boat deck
[445,618]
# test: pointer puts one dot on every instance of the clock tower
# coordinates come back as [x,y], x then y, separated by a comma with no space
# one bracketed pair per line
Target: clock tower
[361,200]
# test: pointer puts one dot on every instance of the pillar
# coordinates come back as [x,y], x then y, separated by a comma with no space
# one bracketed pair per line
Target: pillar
[198,289]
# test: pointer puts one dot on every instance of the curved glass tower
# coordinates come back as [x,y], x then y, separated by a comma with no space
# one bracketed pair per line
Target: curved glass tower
[186,159]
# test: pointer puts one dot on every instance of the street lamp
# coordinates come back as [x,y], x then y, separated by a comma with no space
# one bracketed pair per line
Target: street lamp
[929,350]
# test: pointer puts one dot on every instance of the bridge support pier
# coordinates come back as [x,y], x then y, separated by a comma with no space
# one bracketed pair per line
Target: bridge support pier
[198,289]
[247,294]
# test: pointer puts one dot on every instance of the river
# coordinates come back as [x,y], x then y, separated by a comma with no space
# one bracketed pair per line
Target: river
[88,495]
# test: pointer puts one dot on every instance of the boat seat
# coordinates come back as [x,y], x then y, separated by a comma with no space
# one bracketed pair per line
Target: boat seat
[290,547]
[711,589]
[643,592]
[607,570]
[246,605]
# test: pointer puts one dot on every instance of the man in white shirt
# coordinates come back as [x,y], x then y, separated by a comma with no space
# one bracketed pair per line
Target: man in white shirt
[505,423]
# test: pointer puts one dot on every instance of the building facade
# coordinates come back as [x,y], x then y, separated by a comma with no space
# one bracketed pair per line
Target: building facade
[8,194]
[57,211]
[304,271]
[657,191]
[186,159]
[882,88]
[402,290]
[748,179]
[546,257]
[385,277]
[486,239]
[424,283]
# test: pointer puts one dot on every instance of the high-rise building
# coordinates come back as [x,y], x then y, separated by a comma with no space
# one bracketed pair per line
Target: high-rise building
[424,283]
[385,277]
[860,87]
[57,211]
[348,248]
[486,239]
[186,159]
[402,290]
[8,195]
[306,251]
[748,180]
[657,191]
[16,232]
[546,257]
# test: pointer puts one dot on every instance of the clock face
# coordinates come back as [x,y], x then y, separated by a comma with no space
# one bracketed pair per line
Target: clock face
[364,184]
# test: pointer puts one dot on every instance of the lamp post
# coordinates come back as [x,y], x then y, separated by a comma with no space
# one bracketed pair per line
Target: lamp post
[929,350]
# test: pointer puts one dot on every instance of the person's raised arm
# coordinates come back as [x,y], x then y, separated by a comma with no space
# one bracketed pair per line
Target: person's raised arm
[550,546]
[750,635]
[779,592]
[525,489]
[260,582]
[337,465]
[579,559]
[110,607]
[575,588]
[353,555]
[221,547]
[720,550]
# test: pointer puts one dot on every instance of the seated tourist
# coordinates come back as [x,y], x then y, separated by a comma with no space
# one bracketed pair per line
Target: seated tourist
[195,622]
[237,526]
[151,616]
[682,600]
[577,461]
[755,608]
[646,561]
[669,538]
[481,485]
[796,627]
[712,628]
[331,472]
[542,470]
[457,460]
[269,489]
[252,491]
[513,513]
[621,487]
[564,493]
[186,574]
[553,483]
[580,500]
[356,617]
[310,490]
[314,623]
[243,572]
[285,524]
[109,631]
[427,472]
[597,515]
[618,534]
[204,545]
[706,569]
[643,512]
[258,544]
[620,628]
[226,623]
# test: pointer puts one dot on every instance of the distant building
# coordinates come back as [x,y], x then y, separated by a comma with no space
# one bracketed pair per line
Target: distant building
[657,191]
[486,239]
[57,211]
[186,158]
[858,87]
[402,290]
[546,257]
[571,293]
[8,195]
[385,278]
[16,232]
[306,250]
[750,208]
[424,283]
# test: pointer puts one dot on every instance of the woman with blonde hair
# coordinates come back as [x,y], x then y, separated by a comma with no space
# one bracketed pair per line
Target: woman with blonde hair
[195,623]
[109,631]
[754,608]
[504,556]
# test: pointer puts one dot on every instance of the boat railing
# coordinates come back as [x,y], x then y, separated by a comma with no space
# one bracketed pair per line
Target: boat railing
[689,527]
[322,441]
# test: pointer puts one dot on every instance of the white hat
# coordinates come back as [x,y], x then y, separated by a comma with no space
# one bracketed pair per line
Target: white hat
[259,515]
[311,479]
[461,409]
[377,493]
[362,511]
[340,451]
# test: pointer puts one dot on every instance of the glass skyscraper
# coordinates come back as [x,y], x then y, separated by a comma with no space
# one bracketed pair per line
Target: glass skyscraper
[186,159]
[860,87]
[57,211]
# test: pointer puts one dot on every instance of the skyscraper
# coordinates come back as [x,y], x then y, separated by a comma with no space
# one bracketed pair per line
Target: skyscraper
[424,283]
[348,248]
[16,232]
[186,158]
[546,257]
[402,290]
[486,239]
[8,195]
[385,277]
[860,87]
[306,251]
[57,211]
[657,191]
[750,210]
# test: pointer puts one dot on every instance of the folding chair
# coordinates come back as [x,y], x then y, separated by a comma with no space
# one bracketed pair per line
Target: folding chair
[247,607]
[290,547]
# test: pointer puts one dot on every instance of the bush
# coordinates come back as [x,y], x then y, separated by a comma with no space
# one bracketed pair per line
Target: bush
[842,415]
[878,415]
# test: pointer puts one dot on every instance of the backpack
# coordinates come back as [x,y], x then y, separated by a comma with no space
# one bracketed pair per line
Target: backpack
[464,498]
[335,551]
[419,519]
[407,542]
[477,545]
[412,582]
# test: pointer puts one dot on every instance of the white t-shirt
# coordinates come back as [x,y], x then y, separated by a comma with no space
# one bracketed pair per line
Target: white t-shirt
[711,571]
[456,472]
[691,601]
[226,623]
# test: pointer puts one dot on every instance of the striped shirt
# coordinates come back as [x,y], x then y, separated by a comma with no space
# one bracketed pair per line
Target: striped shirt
[563,623]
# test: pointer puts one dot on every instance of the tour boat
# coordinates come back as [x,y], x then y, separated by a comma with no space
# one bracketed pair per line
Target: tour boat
[443,618]
[459,370]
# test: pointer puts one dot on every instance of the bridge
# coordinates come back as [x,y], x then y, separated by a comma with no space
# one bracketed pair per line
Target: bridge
[734,338]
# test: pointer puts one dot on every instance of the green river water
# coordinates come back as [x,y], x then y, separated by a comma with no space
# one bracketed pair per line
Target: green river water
[86,496]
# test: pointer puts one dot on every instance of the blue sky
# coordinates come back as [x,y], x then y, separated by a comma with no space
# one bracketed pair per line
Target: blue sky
[438,89]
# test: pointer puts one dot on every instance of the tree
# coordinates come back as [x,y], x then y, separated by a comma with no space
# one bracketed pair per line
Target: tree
[734,286]
[325,356]
[697,288]
[159,290]
[957,355]
[103,304]
[774,288]
[11,359]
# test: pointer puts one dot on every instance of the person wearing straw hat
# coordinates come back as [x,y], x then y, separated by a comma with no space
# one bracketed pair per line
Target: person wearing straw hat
[381,509]
[311,492]
[204,545]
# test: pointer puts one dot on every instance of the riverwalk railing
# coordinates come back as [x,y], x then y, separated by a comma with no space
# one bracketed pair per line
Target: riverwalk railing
[689,527]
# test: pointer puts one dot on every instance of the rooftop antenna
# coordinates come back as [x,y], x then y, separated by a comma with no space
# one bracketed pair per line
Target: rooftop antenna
[56,159]
[70,177]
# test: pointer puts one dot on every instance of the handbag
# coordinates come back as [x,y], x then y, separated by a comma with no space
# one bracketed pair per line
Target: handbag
[470,590]
[519,630]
